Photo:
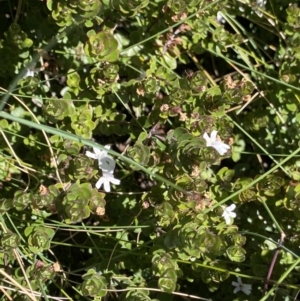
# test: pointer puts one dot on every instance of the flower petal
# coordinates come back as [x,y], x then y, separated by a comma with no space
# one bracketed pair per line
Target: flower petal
[206,137]
[231,208]
[239,279]
[29,73]
[213,135]
[115,181]
[97,151]
[110,177]
[232,214]
[221,147]
[227,220]
[99,183]
[106,185]
[91,155]
[225,145]
[220,18]
[246,288]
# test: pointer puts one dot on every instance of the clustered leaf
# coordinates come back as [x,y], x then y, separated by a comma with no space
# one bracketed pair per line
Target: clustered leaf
[196,103]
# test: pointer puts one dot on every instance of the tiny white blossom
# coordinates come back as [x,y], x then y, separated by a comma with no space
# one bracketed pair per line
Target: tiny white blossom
[261,3]
[220,18]
[105,180]
[98,154]
[105,161]
[29,73]
[240,286]
[228,213]
[215,142]
[107,164]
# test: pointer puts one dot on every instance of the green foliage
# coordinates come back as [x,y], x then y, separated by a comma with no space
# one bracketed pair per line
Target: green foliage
[149,79]
[9,240]
[94,284]
[39,238]
[102,46]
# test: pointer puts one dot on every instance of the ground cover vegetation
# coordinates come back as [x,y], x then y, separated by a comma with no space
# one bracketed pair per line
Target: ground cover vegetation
[149,150]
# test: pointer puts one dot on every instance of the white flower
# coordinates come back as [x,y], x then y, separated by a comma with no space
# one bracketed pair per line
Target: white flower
[106,179]
[29,73]
[240,286]
[214,142]
[220,18]
[228,213]
[107,164]
[261,3]
[105,161]
[98,153]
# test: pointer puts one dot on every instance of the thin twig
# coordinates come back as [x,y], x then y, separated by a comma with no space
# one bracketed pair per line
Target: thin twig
[22,289]
[35,293]
[273,262]
[5,293]
[158,290]
[21,264]
[44,133]
[18,11]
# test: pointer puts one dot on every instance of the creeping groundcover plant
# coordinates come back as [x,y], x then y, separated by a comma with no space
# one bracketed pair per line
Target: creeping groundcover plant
[150,150]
